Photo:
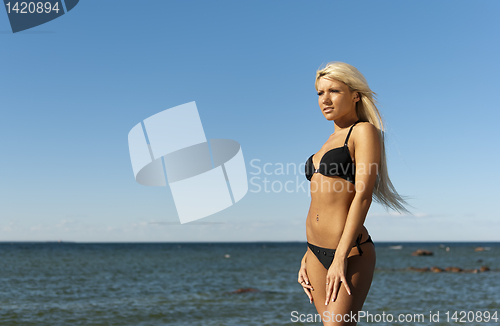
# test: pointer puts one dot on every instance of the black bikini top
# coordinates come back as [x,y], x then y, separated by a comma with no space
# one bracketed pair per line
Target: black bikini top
[336,162]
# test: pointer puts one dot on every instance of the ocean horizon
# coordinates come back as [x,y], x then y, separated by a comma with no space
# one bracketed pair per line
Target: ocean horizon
[233,283]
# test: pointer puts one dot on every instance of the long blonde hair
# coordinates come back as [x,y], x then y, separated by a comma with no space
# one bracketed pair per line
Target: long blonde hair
[384,191]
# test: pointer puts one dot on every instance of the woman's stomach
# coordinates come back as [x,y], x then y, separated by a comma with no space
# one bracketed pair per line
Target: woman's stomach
[331,198]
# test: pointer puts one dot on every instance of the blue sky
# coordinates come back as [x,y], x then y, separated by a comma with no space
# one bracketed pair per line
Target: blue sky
[74,87]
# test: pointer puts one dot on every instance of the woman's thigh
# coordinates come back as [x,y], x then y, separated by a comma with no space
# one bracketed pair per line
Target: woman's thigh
[359,278]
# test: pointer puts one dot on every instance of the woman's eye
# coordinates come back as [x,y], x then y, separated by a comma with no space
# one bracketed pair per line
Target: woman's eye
[320,93]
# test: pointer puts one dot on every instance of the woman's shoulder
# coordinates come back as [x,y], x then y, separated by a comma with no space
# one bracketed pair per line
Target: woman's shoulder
[365,127]
[365,131]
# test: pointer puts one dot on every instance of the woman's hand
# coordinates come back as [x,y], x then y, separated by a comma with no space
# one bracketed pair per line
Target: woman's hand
[335,276]
[304,281]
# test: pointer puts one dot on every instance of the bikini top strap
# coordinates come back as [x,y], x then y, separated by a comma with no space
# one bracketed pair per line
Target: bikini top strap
[349,133]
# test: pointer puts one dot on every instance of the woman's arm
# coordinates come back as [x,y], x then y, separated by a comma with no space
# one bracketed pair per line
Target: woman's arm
[367,157]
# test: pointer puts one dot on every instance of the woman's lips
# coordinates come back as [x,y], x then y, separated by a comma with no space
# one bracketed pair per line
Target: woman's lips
[327,110]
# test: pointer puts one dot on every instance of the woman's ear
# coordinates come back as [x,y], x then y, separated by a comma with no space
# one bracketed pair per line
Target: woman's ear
[356,97]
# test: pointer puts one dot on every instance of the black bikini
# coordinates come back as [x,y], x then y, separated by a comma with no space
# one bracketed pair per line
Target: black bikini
[336,162]
[325,255]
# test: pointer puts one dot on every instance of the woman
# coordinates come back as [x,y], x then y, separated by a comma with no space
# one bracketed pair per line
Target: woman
[336,271]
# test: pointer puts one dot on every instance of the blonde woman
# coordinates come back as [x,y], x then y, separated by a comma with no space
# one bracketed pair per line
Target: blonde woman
[350,168]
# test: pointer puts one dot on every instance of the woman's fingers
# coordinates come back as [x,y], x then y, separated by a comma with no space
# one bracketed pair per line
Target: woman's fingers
[335,276]
[346,286]
[333,288]
[329,286]
[306,279]
[336,287]
[309,294]
[305,284]
[333,293]
[303,279]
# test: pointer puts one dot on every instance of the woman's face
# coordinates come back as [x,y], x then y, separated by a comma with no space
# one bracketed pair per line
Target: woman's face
[336,100]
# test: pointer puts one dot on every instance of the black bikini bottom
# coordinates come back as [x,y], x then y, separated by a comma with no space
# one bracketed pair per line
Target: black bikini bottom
[325,255]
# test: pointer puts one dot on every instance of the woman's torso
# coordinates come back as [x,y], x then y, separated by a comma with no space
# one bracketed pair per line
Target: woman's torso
[331,194]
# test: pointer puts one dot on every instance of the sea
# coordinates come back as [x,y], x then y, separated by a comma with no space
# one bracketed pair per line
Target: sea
[65,283]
